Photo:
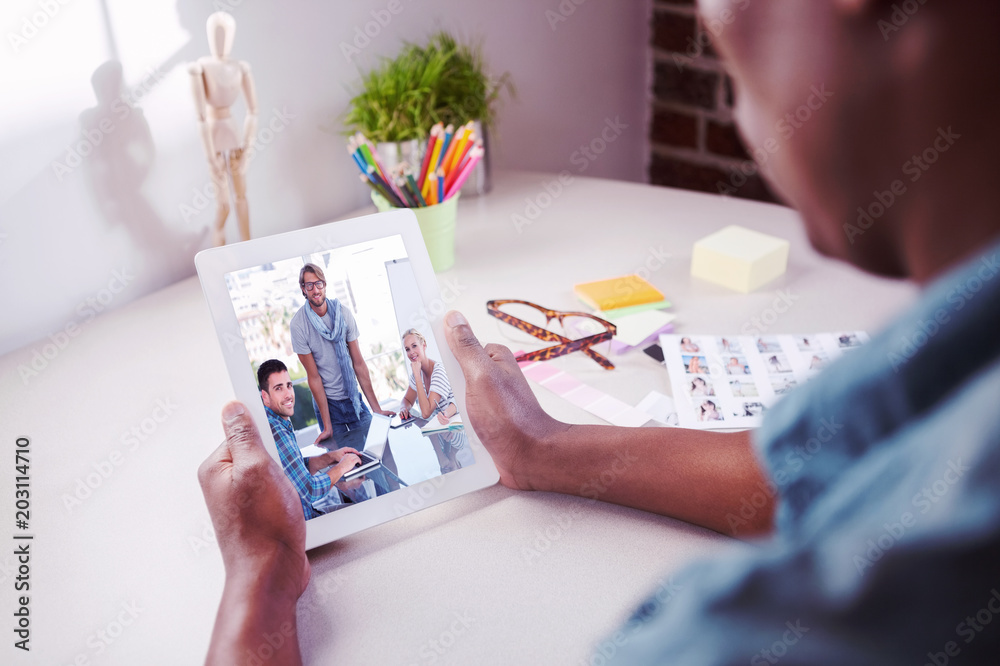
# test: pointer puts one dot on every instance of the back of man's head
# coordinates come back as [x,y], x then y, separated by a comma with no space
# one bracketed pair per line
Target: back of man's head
[876,119]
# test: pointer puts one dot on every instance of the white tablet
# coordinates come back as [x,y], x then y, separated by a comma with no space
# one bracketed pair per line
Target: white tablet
[324,311]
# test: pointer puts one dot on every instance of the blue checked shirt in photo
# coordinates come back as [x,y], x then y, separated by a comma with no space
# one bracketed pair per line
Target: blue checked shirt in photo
[310,487]
[886,544]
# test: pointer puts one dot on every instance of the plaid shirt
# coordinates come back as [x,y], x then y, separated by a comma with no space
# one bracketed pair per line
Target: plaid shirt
[310,487]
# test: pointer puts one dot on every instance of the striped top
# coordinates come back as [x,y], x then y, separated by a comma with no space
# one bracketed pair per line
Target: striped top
[439,384]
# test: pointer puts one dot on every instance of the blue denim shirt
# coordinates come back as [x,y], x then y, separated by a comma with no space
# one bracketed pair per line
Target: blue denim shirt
[309,487]
[886,470]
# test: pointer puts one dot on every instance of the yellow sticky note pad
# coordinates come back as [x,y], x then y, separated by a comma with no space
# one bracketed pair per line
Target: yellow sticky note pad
[739,258]
[616,293]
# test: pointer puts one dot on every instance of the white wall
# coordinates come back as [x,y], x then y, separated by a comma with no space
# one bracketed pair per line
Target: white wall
[78,236]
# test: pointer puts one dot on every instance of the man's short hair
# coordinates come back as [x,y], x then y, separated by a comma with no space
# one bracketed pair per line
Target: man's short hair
[310,268]
[266,369]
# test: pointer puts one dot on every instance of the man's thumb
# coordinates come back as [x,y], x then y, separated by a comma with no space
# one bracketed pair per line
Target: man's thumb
[241,431]
[462,341]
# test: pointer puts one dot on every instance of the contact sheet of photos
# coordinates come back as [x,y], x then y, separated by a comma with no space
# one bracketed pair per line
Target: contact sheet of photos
[729,382]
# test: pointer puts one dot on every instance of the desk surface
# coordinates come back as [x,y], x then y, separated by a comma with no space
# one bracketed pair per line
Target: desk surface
[130,573]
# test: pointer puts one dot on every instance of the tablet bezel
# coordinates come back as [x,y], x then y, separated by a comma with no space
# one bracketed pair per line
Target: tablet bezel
[214,264]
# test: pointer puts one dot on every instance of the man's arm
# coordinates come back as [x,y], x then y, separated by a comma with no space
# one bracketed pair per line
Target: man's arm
[696,476]
[319,395]
[266,565]
[364,377]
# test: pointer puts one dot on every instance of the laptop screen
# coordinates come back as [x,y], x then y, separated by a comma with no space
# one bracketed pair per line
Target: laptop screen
[378,434]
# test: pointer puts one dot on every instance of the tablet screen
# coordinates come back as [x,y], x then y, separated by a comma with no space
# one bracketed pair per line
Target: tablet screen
[332,337]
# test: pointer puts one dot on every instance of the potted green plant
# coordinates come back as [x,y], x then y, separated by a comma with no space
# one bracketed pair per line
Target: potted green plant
[443,81]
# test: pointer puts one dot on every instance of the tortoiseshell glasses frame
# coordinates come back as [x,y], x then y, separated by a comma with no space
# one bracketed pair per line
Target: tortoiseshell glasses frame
[566,345]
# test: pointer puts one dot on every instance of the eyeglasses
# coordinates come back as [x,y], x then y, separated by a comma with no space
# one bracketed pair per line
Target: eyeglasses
[318,284]
[566,320]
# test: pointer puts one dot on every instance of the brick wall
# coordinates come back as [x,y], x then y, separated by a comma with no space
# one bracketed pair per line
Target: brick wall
[694,143]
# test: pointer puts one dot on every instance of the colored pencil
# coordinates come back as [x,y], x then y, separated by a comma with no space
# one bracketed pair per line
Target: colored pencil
[416,190]
[390,195]
[433,199]
[431,140]
[435,157]
[474,157]
[449,132]
[460,164]
[466,137]
[449,155]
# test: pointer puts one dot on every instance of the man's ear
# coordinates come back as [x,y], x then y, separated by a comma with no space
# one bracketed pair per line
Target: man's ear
[266,398]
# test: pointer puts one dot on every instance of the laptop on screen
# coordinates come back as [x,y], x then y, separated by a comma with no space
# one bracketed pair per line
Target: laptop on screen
[371,455]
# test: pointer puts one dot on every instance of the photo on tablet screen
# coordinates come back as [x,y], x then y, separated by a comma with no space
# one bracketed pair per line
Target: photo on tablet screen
[344,356]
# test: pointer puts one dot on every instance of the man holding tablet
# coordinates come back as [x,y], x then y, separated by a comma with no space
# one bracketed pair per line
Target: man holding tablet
[325,336]
[313,486]
[879,545]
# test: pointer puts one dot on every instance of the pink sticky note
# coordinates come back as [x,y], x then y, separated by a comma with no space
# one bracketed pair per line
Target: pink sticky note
[607,408]
[540,372]
[562,383]
[584,396]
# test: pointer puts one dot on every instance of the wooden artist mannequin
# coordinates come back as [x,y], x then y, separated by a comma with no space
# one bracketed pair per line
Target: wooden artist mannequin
[216,82]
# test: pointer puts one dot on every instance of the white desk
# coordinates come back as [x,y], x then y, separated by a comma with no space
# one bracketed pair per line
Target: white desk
[143,536]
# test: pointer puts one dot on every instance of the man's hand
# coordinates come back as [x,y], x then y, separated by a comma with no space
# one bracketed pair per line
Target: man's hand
[385,412]
[501,407]
[346,463]
[261,532]
[337,455]
[255,511]
[324,434]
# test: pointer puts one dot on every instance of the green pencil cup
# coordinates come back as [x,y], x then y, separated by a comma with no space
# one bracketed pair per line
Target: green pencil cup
[437,226]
